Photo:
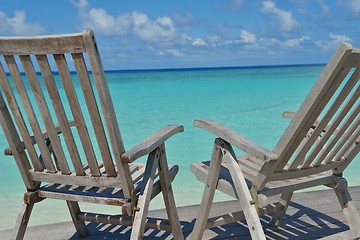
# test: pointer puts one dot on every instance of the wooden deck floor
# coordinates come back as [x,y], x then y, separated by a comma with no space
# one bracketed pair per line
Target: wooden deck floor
[311,215]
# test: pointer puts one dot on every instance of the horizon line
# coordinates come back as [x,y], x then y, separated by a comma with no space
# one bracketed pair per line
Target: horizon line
[190,68]
[207,68]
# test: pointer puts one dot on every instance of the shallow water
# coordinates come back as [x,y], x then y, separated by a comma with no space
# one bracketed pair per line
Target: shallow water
[249,100]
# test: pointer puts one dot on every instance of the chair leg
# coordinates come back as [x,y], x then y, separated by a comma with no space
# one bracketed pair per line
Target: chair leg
[22,221]
[350,212]
[80,226]
[168,195]
[247,203]
[208,195]
[278,216]
[142,207]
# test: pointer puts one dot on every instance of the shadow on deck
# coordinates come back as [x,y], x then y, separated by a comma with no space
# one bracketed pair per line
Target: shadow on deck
[311,215]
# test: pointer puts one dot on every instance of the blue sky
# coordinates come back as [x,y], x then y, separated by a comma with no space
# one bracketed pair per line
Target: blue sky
[175,34]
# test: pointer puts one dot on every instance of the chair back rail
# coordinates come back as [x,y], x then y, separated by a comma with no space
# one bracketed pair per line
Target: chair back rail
[32,94]
[328,119]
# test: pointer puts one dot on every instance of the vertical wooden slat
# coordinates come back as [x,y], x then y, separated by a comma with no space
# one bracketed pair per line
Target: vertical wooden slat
[94,114]
[353,140]
[16,77]
[77,113]
[45,113]
[318,106]
[317,151]
[60,113]
[311,115]
[349,157]
[324,121]
[345,143]
[14,141]
[108,110]
[168,194]
[309,111]
[209,191]
[19,120]
[324,153]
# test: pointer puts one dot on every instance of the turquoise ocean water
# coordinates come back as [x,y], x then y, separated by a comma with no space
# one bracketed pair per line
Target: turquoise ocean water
[249,100]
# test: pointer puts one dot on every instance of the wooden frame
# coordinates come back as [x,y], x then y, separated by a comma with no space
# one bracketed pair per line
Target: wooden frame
[319,143]
[61,160]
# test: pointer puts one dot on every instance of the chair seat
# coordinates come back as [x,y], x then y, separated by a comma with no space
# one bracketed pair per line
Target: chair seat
[109,196]
[250,167]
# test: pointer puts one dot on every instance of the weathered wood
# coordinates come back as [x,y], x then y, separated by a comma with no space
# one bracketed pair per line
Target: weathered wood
[94,113]
[45,113]
[170,177]
[52,172]
[309,111]
[19,120]
[45,137]
[248,204]
[153,223]
[150,143]
[142,206]
[319,143]
[13,138]
[168,195]
[77,113]
[320,149]
[74,210]
[60,113]
[107,109]
[326,118]
[325,151]
[350,212]
[55,44]
[348,140]
[236,139]
[208,195]
[30,113]
[278,216]
[226,186]
[22,221]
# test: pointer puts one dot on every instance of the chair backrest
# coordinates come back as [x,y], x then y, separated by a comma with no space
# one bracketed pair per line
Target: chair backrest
[44,99]
[324,133]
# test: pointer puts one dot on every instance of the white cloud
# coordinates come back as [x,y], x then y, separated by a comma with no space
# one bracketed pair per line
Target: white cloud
[172,52]
[159,30]
[105,24]
[199,42]
[136,23]
[285,17]
[213,38]
[294,42]
[17,24]
[247,37]
[80,4]
[333,41]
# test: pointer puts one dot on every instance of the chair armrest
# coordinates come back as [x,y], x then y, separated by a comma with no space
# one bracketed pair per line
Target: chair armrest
[8,151]
[236,139]
[150,143]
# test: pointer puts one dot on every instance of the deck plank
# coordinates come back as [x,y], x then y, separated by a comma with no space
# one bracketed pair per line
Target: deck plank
[311,215]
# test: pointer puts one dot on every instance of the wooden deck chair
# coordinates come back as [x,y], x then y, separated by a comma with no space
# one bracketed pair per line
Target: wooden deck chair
[315,149]
[67,143]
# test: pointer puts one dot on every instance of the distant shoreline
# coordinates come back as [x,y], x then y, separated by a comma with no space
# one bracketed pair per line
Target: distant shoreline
[213,68]
[194,69]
